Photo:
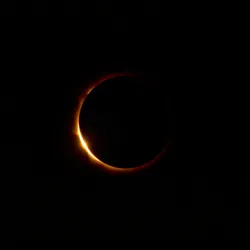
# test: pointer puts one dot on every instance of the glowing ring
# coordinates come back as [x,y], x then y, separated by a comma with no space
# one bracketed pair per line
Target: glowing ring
[84,144]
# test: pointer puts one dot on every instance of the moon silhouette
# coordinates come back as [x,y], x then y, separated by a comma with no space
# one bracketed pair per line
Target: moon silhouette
[84,143]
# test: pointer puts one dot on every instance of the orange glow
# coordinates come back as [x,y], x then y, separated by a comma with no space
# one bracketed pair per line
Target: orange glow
[83,142]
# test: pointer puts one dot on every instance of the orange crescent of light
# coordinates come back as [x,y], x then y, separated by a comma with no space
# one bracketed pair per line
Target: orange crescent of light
[83,142]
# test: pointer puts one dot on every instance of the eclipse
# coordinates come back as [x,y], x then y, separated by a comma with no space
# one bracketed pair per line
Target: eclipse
[122,122]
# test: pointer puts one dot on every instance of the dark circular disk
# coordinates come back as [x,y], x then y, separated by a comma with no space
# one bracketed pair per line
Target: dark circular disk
[124,121]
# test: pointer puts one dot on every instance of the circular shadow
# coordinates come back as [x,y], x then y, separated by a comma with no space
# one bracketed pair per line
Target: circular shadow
[124,121]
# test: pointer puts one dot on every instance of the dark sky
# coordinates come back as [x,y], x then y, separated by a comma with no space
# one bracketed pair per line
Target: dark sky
[77,8]
[51,53]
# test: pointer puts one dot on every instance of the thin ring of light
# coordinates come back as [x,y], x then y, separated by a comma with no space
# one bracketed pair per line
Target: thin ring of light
[83,142]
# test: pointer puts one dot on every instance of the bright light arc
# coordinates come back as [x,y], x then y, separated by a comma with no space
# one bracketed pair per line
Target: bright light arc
[84,143]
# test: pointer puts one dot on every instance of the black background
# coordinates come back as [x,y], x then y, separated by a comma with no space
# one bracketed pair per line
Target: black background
[49,53]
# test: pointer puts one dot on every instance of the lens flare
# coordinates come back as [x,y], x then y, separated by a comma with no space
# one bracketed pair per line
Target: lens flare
[83,143]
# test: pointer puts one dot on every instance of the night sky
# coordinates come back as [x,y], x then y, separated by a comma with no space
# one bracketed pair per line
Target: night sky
[54,52]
